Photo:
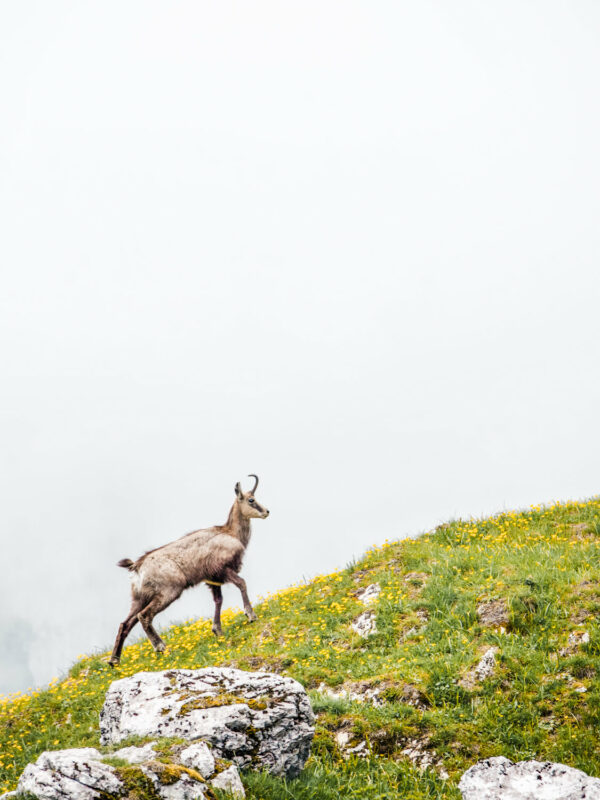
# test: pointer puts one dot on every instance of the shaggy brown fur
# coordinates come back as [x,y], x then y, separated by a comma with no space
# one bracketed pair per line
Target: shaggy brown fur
[213,555]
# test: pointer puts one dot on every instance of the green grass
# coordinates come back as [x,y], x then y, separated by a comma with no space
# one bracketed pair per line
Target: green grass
[543,563]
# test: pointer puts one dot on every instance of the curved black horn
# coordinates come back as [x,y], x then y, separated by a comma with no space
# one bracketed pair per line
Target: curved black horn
[255,485]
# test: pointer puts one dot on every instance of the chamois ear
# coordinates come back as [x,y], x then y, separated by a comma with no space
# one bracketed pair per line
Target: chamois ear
[238,491]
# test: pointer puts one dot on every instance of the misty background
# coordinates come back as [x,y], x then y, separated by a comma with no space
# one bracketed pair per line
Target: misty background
[349,246]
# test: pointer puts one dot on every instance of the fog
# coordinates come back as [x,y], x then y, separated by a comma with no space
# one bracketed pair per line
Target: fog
[351,247]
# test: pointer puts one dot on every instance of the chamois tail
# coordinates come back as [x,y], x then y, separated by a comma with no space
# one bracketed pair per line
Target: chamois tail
[125,562]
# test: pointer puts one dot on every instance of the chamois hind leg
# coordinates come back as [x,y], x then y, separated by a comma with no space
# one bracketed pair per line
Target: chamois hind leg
[125,629]
[232,577]
[158,603]
[218,598]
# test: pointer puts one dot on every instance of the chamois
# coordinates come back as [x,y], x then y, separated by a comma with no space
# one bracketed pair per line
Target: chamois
[210,555]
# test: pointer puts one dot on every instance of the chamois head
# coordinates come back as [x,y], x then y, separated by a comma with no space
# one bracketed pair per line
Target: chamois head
[248,505]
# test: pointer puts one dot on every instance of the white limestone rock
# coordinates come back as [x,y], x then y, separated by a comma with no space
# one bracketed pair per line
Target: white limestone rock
[501,779]
[487,665]
[186,788]
[136,755]
[369,595]
[357,692]
[81,775]
[229,780]
[365,624]
[198,757]
[255,719]
[76,774]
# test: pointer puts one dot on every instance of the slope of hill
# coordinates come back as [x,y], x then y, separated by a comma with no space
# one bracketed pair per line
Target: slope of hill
[405,710]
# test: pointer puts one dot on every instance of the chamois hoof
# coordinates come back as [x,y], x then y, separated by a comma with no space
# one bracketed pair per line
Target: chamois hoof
[218,632]
[113,662]
[251,616]
[160,648]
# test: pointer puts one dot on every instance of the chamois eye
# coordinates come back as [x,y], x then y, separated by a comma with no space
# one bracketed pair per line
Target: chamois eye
[251,501]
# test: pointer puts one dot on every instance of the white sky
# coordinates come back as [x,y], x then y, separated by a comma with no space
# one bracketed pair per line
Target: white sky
[350,246]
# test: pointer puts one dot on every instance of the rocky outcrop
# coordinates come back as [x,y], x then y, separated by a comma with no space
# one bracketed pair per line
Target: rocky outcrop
[259,720]
[82,774]
[501,779]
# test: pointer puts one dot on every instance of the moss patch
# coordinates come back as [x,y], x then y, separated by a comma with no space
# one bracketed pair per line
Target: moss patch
[138,786]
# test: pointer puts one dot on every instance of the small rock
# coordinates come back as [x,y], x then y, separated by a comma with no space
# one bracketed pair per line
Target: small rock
[136,755]
[413,697]
[357,692]
[493,613]
[500,779]
[229,780]
[186,788]
[416,751]
[342,738]
[369,595]
[198,757]
[361,750]
[574,642]
[487,665]
[422,615]
[484,669]
[408,634]
[77,774]
[365,624]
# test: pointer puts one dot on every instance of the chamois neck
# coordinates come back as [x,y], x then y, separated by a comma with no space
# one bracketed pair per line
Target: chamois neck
[238,525]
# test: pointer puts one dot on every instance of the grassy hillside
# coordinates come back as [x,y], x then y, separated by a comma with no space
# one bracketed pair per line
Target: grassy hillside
[541,568]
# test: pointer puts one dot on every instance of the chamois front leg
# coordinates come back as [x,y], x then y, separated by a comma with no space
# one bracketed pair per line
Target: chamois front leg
[238,581]
[218,598]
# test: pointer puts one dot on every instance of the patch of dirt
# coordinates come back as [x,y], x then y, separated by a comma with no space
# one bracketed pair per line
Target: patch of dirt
[581,531]
[580,616]
[416,578]
[493,613]
[361,573]
[413,697]
[258,664]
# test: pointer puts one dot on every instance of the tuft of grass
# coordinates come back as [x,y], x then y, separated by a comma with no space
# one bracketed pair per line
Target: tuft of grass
[543,701]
